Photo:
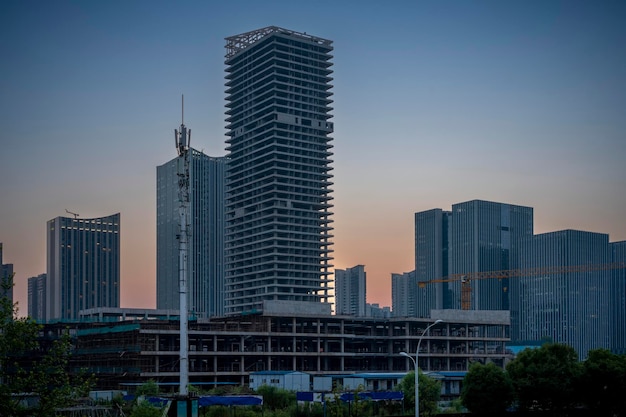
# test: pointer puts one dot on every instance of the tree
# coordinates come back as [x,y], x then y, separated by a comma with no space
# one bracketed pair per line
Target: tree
[276,398]
[429,392]
[148,388]
[603,382]
[545,378]
[145,409]
[487,389]
[28,366]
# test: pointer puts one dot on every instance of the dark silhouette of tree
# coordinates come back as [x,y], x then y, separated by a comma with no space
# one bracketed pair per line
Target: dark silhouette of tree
[28,368]
[487,389]
[545,378]
[430,392]
[602,385]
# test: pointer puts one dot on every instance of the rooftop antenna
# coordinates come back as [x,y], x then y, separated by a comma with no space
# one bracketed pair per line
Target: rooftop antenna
[182,135]
[74,214]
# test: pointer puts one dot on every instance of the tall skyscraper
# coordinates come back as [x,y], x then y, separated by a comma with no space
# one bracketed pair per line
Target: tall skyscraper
[484,235]
[404,293]
[618,298]
[573,307]
[37,298]
[350,291]
[432,243]
[278,233]
[6,271]
[83,265]
[205,248]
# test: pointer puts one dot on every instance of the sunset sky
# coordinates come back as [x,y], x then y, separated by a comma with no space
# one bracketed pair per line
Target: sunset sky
[435,103]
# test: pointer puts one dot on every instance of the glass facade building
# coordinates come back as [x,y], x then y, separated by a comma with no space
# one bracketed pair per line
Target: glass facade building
[432,243]
[37,298]
[278,232]
[205,281]
[484,236]
[571,307]
[618,297]
[6,271]
[83,264]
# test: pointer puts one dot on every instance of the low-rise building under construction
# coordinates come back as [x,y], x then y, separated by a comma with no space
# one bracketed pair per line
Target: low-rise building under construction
[126,347]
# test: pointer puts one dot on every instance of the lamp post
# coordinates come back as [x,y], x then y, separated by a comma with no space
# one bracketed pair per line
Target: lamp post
[416,365]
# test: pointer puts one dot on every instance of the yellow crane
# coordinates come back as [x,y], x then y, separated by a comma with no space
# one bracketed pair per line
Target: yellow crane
[467,278]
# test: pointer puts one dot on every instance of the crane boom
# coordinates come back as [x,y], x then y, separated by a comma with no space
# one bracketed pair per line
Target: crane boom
[467,278]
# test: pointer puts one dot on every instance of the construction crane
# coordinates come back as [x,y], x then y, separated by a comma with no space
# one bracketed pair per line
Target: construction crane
[73,214]
[466,279]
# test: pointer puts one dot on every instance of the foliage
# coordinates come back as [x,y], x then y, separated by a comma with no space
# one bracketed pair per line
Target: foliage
[334,405]
[429,393]
[359,407]
[545,378]
[308,410]
[148,388]
[29,366]
[603,383]
[276,398]
[145,409]
[216,411]
[455,407]
[487,389]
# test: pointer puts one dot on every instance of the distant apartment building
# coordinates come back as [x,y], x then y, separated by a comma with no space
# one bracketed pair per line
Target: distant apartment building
[6,272]
[570,307]
[37,298]
[278,233]
[432,244]
[205,247]
[376,311]
[350,291]
[404,294]
[83,265]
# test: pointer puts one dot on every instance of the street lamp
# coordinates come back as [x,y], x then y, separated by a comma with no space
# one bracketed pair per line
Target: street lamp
[416,365]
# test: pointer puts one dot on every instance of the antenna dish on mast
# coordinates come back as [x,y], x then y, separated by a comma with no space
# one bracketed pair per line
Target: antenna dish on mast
[182,135]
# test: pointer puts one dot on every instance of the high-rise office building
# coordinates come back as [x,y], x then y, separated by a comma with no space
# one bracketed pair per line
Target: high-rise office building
[278,233]
[432,243]
[476,236]
[404,294]
[571,307]
[483,237]
[205,246]
[6,272]
[83,263]
[618,298]
[350,291]
[37,298]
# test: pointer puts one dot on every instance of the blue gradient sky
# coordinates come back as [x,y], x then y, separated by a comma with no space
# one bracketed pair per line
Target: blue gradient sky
[436,103]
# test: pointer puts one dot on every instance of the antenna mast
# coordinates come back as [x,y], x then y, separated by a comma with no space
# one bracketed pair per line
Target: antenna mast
[183,137]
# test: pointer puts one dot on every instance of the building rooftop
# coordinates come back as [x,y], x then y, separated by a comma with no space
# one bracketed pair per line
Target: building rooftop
[237,43]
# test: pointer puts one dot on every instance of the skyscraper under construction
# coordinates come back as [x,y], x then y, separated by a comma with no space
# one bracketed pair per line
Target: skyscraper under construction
[278,233]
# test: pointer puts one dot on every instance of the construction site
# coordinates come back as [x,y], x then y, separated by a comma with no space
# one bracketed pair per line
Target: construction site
[125,348]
